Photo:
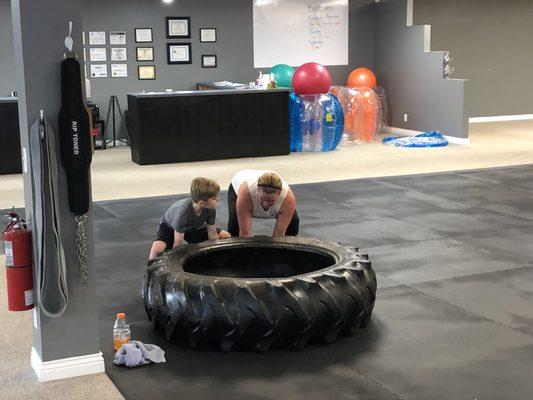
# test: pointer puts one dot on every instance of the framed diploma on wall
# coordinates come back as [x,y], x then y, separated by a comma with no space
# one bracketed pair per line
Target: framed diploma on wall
[145,54]
[99,71]
[208,35]
[209,61]
[146,72]
[119,70]
[119,54]
[97,54]
[117,37]
[97,38]
[179,53]
[143,35]
[178,27]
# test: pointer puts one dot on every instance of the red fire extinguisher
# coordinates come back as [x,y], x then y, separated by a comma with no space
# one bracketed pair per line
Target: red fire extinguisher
[18,251]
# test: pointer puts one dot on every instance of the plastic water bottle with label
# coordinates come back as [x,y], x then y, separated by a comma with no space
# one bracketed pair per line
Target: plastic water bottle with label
[312,124]
[121,331]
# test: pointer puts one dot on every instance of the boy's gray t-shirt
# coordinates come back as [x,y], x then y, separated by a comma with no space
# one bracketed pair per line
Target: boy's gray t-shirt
[182,217]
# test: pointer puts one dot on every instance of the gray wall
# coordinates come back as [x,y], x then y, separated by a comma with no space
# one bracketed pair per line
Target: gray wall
[234,47]
[7,62]
[39,30]
[413,77]
[371,38]
[491,43]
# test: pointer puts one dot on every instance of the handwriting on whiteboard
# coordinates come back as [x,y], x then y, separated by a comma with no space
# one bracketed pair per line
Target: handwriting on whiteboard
[309,30]
[321,18]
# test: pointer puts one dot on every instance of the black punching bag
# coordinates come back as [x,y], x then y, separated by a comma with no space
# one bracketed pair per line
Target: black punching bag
[74,136]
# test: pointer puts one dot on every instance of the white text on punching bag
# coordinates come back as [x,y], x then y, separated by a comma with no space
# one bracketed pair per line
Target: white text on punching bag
[75,140]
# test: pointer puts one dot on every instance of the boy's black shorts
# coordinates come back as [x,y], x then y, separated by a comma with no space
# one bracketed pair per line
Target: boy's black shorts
[165,234]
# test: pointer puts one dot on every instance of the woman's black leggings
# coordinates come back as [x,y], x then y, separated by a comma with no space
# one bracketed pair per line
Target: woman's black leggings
[233,222]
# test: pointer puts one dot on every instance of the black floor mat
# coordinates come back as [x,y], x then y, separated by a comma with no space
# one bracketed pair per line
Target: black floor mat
[453,317]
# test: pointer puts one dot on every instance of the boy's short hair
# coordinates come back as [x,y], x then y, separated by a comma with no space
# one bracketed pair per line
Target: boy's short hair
[204,189]
[270,182]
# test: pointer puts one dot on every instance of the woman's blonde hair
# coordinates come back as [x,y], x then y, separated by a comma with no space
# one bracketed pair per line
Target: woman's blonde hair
[204,189]
[270,182]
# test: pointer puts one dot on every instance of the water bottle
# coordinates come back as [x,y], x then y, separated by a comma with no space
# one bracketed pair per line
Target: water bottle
[317,141]
[121,331]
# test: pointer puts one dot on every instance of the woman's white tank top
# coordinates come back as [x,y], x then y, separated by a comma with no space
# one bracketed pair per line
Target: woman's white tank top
[250,176]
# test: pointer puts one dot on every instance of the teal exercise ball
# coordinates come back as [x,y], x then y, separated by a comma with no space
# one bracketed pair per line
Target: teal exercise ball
[283,74]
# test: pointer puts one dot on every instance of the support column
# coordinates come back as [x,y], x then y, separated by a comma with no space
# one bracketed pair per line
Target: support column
[68,345]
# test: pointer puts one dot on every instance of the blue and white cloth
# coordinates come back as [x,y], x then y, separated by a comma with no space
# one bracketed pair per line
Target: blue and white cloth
[428,139]
[137,353]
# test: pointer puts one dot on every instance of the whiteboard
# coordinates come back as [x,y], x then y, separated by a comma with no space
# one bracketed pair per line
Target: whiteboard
[294,32]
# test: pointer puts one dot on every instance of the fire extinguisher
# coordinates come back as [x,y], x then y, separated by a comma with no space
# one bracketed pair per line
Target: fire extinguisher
[18,251]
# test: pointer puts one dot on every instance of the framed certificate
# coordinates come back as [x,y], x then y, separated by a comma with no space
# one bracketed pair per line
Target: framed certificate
[97,38]
[117,37]
[97,54]
[178,27]
[209,61]
[146,72]
[179,53]
[208,35]
[119,70]
[143,35]
[98,70]
[145,54]
[119,54]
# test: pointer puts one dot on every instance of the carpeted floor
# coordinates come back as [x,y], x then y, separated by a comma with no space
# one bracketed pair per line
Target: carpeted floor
[18,381]
[115,176]
[453,318]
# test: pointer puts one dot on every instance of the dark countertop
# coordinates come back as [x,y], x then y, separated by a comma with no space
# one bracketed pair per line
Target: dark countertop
[237,127]
[203,92]
[8,99]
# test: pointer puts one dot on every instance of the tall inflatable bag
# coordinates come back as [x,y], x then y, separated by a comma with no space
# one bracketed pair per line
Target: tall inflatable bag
[332,123]
[317,122]
[362,113]
[295,121]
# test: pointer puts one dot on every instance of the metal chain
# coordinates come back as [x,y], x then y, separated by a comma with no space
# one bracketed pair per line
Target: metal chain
[81,245]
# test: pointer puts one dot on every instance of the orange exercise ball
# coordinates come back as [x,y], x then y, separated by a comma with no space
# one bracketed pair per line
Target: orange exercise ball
[362,77]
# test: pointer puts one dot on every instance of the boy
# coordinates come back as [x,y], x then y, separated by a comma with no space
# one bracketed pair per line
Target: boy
[191,219]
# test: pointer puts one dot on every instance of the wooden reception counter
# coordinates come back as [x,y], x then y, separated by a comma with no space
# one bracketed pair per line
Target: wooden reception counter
[169,127]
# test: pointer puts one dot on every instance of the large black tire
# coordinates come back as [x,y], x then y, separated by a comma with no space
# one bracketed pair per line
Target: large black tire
[260,312]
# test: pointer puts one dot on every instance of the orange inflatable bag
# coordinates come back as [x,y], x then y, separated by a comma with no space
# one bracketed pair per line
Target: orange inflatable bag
[362,113]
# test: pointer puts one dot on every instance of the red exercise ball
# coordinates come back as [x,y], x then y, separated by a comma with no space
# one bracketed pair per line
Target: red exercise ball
[311,78]
[362,77]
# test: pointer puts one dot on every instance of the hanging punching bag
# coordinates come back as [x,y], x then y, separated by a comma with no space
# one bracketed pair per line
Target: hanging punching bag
[74,136]
[76,152]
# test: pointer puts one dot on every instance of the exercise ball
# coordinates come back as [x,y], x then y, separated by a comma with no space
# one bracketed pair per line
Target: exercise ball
[362,77]
[283,74]
[311,78]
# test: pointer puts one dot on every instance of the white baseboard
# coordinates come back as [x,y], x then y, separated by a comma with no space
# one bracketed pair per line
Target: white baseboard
[500,118]
[409,132]
[400,131]
[457,140]
[66,367]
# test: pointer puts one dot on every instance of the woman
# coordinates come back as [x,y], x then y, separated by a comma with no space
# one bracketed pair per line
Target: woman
[261,194]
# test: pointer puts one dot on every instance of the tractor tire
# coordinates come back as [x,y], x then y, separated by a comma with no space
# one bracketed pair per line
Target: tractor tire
[311,303]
